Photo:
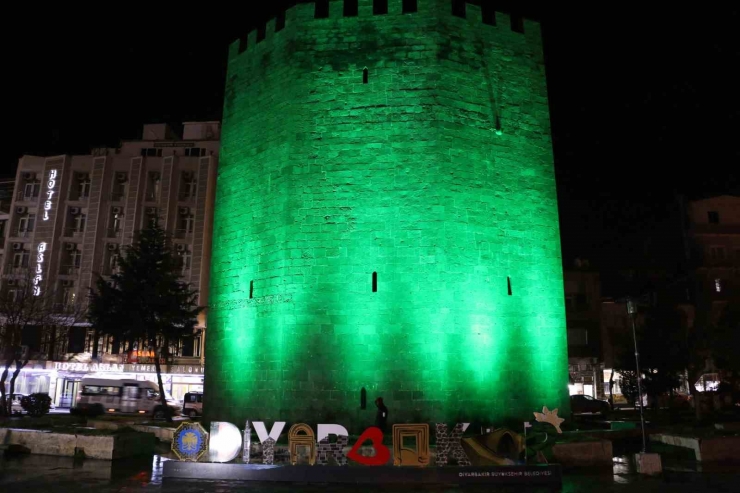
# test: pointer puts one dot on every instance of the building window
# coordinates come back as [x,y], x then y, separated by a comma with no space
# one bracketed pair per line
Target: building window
[152,186]
[380,7]
[508,285]
[115,222]
[26,225]
[409,6]
[118,190]
[186,258]
[80,188]
[151,152]
[72,259]
[577,337]
[713,217]
[185,226]
[110,266]
[79,221]
[375,282]
[350,8]
[20,259]
[365,76]
[187,185]
[718,285]
[68,294]
[717,253]
[12,295]
[31,190]
[195,151]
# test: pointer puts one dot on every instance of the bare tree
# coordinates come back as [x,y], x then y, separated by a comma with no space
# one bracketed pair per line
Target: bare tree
[26,307]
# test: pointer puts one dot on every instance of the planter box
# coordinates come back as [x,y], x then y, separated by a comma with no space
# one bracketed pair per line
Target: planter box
[580,454]
[164,434]
[716,449]
[93,447]
[161,433]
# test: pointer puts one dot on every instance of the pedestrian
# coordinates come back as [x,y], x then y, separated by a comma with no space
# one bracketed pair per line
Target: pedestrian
[382,415]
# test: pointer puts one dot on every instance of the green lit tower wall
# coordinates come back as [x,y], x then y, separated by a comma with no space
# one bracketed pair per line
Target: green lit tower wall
[386,219]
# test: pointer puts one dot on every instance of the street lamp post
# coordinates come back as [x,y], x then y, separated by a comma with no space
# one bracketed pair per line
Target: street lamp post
[632,310]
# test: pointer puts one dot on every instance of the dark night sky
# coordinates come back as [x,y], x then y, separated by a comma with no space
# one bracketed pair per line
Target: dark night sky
[644,103]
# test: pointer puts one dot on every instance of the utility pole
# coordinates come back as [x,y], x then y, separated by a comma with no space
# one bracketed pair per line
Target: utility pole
[632,310]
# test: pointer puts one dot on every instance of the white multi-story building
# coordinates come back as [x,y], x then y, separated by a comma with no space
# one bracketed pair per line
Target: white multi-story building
[82,209]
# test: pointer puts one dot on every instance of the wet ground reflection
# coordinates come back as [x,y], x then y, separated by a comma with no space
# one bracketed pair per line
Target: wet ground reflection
[42,474]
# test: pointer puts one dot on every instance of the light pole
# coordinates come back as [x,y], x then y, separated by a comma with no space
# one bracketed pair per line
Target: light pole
[632,310]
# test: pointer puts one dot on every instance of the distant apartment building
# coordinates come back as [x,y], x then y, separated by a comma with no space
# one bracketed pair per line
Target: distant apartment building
[714,242]
[84,209]
[583,321]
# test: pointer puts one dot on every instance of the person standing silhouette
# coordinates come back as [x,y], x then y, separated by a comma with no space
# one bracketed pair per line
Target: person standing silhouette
[381,417]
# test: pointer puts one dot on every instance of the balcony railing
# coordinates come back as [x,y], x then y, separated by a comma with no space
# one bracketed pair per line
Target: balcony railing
[22,196]
[19,270]
[182,233]
[113,233]
[117,196]
[715,229]
[23,233]
[64,307]
[74,233]
[70,270]
[151,197]
[186,197]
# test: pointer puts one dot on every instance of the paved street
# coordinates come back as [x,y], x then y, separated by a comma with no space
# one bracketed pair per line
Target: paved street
[42,474]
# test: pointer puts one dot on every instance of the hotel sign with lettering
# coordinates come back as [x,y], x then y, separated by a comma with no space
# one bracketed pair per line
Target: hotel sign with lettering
[127,368]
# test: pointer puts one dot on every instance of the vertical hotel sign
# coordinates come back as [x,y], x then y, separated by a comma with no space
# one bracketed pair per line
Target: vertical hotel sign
[41,248]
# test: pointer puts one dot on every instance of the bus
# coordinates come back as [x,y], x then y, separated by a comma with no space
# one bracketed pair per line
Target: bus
[123,395]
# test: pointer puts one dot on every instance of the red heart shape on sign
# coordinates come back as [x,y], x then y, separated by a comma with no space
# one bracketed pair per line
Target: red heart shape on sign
[382,454]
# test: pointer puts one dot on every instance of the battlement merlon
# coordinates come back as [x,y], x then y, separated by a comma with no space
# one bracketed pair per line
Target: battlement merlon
[304,13]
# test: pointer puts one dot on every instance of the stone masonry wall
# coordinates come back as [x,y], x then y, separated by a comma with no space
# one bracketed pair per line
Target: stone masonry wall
[436,175]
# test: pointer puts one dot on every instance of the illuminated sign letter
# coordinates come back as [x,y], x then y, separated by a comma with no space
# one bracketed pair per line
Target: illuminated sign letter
[224,442]
[449,444]
[382,454]
[268,441]
[327,449]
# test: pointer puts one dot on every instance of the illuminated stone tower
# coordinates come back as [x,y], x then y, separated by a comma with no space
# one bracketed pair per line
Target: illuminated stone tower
[386,218]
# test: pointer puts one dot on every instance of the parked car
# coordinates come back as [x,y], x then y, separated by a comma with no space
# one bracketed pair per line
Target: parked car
[16,407]
[192,404]
[580,404]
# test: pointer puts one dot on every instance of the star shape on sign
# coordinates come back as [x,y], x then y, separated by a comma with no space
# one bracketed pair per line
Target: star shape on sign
[547,416]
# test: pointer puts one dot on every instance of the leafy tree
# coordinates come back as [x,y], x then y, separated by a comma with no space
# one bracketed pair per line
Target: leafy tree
[628,384]
[146,299]
[661,341]
[23,309]
[664,355]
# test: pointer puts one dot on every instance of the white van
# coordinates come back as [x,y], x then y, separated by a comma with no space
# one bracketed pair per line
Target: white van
[123,395]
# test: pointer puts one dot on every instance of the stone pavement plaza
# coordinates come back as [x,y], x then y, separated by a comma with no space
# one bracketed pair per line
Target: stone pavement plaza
[45,474]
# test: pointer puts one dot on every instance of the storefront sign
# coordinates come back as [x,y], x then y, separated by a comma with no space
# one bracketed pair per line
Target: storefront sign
[128,368]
